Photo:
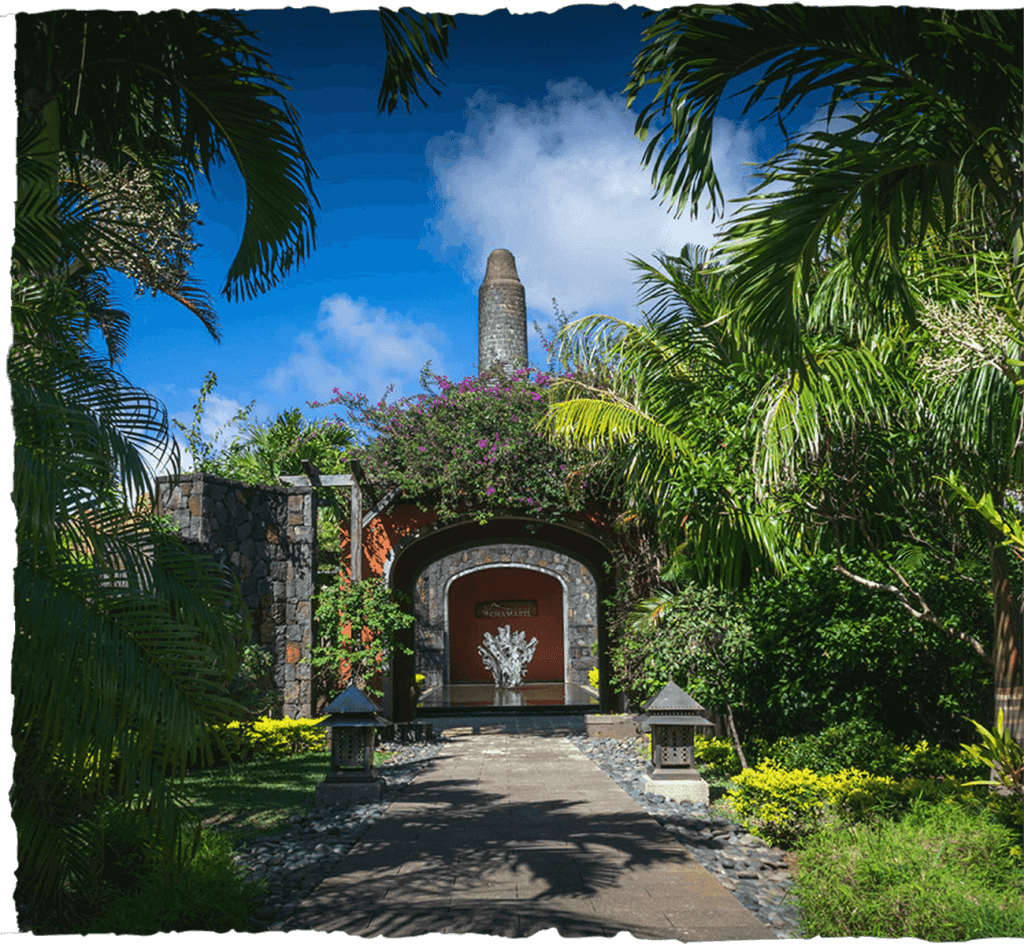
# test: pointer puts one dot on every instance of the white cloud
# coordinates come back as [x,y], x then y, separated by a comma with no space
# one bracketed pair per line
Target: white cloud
[560,184]
[358,347]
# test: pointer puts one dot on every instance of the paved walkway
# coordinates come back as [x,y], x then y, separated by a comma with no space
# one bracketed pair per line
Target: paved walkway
[510,834]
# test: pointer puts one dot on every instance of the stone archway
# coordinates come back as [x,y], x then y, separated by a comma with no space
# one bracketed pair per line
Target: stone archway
[483,599]
[421,562]
[432,642]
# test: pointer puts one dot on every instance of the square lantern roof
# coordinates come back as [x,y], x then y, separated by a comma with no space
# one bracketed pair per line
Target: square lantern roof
[671,699]
[673,707]
[352,708]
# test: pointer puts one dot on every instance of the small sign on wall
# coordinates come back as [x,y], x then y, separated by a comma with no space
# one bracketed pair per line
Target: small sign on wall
[506,609]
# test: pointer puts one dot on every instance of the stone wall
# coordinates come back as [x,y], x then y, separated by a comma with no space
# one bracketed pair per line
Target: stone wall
[267,536]
[579,588]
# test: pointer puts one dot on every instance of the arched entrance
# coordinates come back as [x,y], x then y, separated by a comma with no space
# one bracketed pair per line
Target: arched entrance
[425,562]
[483,600]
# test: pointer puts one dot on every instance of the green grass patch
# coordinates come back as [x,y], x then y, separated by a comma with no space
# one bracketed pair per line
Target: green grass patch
[944,872]
[257,796]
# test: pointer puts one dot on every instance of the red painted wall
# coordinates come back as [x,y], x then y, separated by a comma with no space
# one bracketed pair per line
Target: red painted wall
[383,533]
[466,631]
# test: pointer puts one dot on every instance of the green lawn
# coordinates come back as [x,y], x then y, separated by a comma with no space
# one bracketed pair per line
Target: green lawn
[258,796]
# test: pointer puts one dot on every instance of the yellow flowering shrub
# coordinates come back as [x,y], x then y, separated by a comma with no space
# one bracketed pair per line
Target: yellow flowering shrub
[715,756]
[269,738]
[594,677]
[924,759]
[782,806]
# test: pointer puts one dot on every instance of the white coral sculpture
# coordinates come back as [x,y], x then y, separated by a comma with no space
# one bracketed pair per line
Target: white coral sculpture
[507,656]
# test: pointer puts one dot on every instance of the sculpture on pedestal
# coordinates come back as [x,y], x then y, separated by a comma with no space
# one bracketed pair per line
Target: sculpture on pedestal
[507,655]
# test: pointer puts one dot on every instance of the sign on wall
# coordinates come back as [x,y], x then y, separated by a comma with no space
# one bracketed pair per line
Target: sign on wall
[505,609]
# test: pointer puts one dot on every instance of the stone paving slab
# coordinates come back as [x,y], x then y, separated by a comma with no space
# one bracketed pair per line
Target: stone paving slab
[508,835]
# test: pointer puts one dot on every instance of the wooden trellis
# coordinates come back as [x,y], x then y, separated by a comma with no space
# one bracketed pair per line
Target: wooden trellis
[358,486]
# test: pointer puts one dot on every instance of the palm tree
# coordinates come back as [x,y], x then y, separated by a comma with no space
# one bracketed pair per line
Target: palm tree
[927,147]
[268,450]
[927,159]
[125,642]
[752,466]
[669,417]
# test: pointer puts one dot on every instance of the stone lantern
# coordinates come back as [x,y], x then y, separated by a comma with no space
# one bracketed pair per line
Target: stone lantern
[672,717]
[352,720]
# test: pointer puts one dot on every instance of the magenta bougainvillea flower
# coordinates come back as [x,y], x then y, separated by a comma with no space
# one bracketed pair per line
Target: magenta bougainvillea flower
[470,447]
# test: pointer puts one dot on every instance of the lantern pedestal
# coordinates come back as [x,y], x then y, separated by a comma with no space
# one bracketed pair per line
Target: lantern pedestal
[678,785]
[347,793]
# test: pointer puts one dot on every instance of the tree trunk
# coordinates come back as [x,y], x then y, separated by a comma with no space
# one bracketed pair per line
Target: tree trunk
[1006,645]
[736,739]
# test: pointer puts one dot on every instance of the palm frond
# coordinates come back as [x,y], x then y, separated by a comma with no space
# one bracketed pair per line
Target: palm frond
[198,91]
[413,41]
[125,640]
[853,387]
[922,128]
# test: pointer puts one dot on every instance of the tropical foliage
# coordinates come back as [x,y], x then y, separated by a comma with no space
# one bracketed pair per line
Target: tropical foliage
[124,640]
[878,267]
[670,418]
[360,625]
[260,452]
[412,42]
[920,184]
[125,643]
[914,145]
[697,636]
[1002,754]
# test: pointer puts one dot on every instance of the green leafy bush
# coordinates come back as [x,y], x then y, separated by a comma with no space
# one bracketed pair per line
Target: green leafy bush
[807,650]
[925,760]
[855,743]
[824,651]
[862,744]
[359,626]
[253,684]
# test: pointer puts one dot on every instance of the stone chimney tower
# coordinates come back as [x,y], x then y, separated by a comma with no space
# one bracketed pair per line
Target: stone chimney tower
[502,313]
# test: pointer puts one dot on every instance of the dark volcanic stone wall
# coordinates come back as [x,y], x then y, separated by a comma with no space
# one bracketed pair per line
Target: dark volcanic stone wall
[267,537]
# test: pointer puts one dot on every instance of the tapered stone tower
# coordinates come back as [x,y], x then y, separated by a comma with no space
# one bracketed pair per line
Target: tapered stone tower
[502,313]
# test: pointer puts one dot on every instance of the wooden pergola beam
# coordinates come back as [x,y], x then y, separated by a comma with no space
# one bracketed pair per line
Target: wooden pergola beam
[339,481]
[357,484]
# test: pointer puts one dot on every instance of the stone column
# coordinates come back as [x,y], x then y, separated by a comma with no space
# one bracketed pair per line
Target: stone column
[502,313]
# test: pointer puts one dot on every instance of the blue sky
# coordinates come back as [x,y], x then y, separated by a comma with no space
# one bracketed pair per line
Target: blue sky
[530,147]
